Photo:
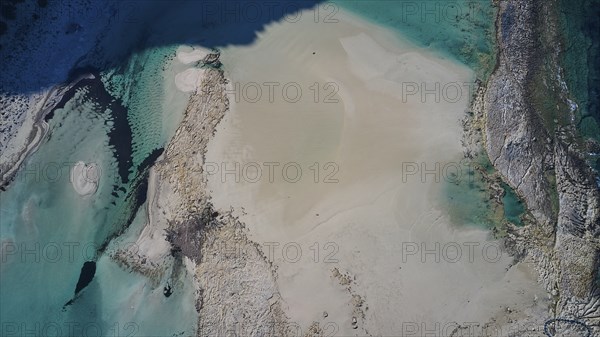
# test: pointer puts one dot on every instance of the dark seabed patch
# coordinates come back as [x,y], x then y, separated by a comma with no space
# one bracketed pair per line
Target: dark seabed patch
[86,276]
[120,138]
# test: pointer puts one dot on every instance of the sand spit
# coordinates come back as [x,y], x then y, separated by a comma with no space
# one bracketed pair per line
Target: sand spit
[240,285]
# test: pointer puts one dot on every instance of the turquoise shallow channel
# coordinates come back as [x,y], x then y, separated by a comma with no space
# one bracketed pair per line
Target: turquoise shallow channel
[461,29]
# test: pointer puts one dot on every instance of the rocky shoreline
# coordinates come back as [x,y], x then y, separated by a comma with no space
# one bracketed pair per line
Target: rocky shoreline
[235,284]
[536,153]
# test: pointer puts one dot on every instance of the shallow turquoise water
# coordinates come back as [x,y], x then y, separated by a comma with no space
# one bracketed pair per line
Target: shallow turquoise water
[467,199]
[137,84]
[513,206]
[460,29]
[45,210]
[48,231]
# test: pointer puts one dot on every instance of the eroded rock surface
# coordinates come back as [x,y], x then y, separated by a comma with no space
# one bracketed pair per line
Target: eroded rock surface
[536,154]
[235,284]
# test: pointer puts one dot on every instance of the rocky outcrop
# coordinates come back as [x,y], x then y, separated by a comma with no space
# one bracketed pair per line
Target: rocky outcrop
[516,141]
[238,293]
[236,286]
[536,153]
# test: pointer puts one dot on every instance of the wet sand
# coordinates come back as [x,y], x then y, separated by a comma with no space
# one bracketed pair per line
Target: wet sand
[360,215]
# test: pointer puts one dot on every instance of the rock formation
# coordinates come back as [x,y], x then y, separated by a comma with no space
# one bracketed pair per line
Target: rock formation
[536,152]
[236,285]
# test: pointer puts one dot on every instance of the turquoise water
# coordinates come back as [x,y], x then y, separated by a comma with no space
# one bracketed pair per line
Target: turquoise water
[136,84]
[467,197]
[470,201]
[513,206]
[48,231]
[41,208]
[460,29]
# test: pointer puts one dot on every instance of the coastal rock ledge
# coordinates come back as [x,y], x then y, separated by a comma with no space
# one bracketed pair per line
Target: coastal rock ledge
[239,286]
[536,155]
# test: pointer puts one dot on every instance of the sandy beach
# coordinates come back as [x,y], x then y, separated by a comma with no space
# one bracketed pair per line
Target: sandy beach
[343,232]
